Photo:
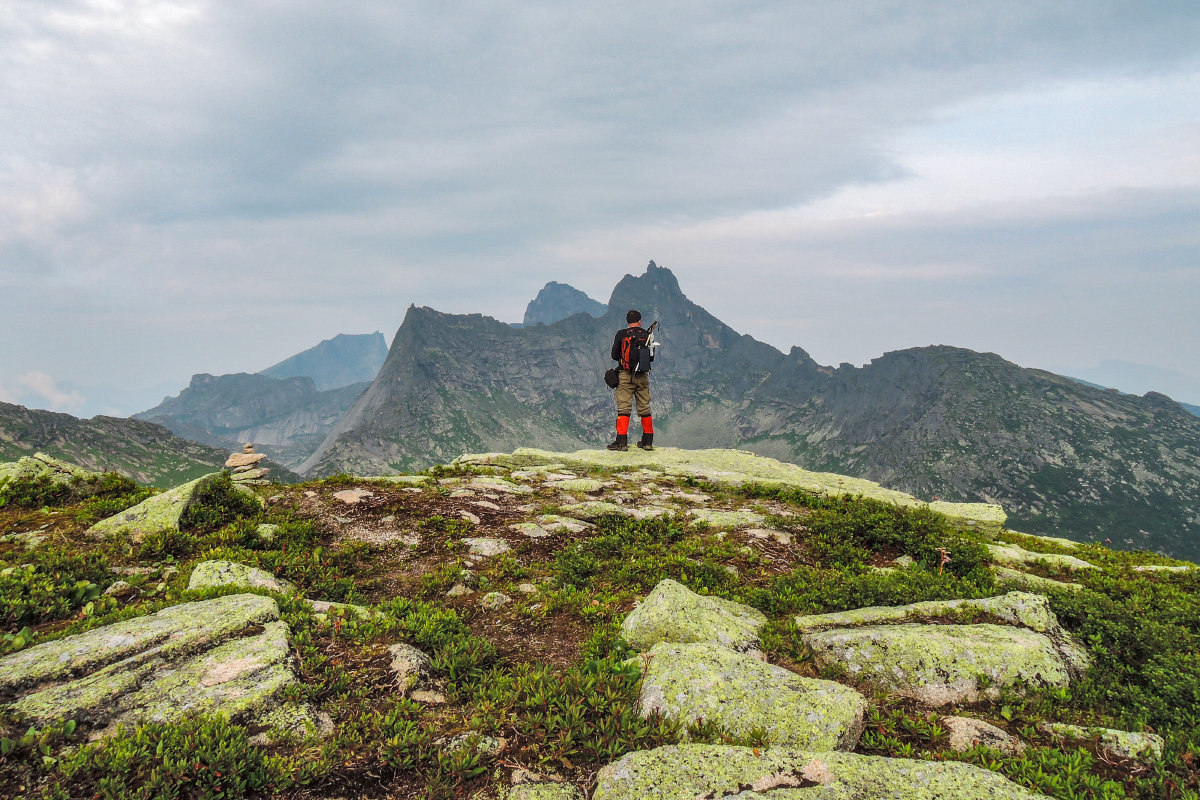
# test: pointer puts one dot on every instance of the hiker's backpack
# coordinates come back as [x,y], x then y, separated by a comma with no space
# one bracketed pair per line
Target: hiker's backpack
[635,352]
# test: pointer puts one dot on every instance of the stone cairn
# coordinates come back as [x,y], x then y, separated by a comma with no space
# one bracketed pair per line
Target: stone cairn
[245,466]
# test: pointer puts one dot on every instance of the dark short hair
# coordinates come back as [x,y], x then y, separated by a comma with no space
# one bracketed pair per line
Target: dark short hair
[633,316]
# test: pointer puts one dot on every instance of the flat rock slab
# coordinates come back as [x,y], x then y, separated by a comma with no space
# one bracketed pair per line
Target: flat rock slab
[174,631]
[716,518]
[1025,580]
[966,733]
[352,496]
[228,655]
[487,483]
[1014,608]
[210,574]
[689,682]
[160,513]
[594,509]
[941,664]
[584,485]
[693,771]
[674,613]
[1009,555]
[485,547]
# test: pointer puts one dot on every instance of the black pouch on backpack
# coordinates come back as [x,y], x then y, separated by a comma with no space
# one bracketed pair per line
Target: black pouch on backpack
[612,378]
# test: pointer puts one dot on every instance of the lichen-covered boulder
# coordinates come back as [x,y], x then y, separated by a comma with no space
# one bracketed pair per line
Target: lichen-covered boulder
[689,682]
[211,574]
[40,466]
[1144,747]
[674,613]
[228,655]
[942,664]
[1009,555]
[412,667]
[1025,580]
[692,771]
[160,513]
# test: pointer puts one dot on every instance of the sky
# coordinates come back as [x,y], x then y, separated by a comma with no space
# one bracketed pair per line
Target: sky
[196,186]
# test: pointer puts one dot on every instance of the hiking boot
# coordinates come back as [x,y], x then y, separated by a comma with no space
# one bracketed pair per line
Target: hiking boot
[647,441]
[622,442]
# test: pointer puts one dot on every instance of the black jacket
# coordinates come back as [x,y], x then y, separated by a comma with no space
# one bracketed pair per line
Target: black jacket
[627,356]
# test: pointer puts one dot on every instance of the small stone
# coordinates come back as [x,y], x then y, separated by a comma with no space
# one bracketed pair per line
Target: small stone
[530,529]
[249,476]
[208,574]
[469,517]
[462,493]
[389,519]
[904,562]
[248,447]
[310,493]
[266,531]
[458,590]
[485,547]
[352,496]
[494,600]
[429,698]
[488,504]
[966,733]
[117,587]
[412,667]
[527,588]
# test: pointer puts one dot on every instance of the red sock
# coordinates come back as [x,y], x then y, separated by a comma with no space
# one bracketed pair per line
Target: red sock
[647,425]
[622,426]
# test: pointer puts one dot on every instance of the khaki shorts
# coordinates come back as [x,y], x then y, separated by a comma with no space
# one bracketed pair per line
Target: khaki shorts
[633,385]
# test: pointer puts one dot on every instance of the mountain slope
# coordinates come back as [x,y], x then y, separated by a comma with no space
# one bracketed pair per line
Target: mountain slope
[335,363]
[286,418]
[1062,457]
[143,451]
[558,301]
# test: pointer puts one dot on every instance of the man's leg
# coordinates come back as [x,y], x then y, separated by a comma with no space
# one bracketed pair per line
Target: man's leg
[624,408]
[642,393]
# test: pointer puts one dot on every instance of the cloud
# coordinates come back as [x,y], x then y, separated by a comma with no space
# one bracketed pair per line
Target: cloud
[195,186]
[7,396]
[46,388]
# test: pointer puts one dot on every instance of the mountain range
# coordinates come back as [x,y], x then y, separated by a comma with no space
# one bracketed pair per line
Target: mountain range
[1062,457]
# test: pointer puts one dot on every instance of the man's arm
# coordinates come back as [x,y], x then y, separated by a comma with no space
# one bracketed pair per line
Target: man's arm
[616,348]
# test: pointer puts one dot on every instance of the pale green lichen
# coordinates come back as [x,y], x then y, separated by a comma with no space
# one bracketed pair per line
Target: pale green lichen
[579,485]
[673,613]
[691,771]
[1025,580]
[1015,608]
[402,480]
[544,791]
[40,465]
[168,633]
[213,574]
[943,664]
[239,678]
[1144,747]
[736,467]
[293,720]
[1013,556]
[689,682]
[594,509]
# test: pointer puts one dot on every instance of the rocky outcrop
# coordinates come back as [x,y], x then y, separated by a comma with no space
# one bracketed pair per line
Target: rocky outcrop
[41,467]
[939,664]
[674,613]
[228,655]
[1009,555]
[160,513]
[689,772]
[557,301]
[691,682]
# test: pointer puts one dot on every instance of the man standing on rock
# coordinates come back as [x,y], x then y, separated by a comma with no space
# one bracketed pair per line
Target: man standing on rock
[627,350]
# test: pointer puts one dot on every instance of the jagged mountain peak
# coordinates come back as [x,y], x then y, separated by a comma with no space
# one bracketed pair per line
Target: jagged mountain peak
[557,301]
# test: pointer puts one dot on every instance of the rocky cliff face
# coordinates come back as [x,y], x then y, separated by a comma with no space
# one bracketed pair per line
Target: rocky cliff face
[335,363]
[143,451]
[557,301]
[288,418]
[1062,457]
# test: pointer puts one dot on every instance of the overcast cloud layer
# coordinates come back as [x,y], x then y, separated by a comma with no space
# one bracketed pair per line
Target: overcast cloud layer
[212,187]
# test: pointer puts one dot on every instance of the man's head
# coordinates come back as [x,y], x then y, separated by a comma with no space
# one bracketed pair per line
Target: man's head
[633,316]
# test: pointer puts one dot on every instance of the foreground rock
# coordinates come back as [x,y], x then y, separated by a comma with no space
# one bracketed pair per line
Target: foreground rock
[161,513]
[940,664]
[228,655]
[689,682]
[690,772]
[674,613]
[965,733]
